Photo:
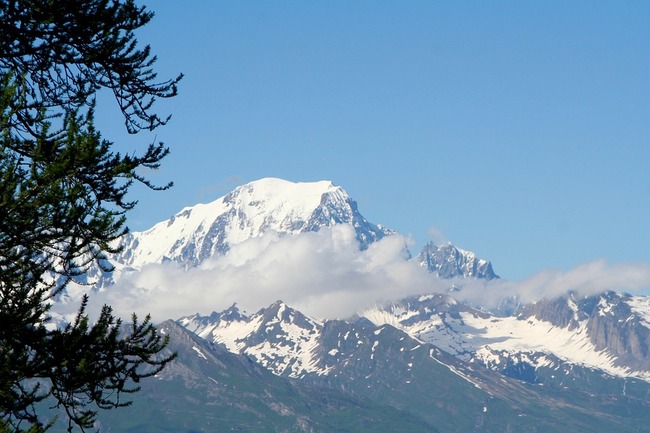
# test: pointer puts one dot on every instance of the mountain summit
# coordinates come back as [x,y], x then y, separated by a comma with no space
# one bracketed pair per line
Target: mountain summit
[251,210]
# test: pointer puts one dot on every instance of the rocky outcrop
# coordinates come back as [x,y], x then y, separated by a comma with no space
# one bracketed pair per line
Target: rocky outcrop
[449,261]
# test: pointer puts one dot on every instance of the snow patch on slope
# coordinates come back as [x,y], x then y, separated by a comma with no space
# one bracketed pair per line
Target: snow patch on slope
[640,306]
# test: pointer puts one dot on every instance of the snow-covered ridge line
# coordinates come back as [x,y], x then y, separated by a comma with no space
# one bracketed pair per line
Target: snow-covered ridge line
[279,338]
[249,211]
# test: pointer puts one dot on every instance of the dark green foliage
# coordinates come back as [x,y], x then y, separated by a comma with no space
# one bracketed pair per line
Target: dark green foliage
[69,50]
[63,198]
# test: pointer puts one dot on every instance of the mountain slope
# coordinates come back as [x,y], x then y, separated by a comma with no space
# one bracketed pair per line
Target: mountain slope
[207,389]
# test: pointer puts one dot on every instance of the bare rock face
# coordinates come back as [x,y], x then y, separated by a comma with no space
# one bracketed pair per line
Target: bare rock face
[614,322]
[616,326]
[562,312]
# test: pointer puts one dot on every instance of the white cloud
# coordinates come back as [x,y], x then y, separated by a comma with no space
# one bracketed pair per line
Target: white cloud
[437,235]
[324,275]
[586,279]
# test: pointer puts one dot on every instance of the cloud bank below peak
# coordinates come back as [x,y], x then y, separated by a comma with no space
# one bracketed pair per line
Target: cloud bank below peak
[325,275]
[322,273]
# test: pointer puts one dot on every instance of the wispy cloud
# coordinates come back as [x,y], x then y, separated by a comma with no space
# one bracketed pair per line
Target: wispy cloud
[586,279]
[437,235]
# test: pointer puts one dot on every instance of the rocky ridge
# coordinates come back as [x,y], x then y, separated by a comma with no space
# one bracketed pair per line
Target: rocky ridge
[448,261]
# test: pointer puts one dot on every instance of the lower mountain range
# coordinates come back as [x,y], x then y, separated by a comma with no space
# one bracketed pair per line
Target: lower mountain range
[425,362]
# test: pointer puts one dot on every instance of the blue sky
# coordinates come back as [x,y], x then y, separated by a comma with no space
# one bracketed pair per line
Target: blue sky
[518,130]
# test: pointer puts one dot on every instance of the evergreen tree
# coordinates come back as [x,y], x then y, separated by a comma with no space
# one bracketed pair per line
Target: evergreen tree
[63,198]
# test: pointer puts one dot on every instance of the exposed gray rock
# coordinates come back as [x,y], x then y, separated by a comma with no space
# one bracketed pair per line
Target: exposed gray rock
[449,261]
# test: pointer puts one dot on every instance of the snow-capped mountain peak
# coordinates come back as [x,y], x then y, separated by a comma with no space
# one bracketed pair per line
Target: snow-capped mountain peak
[249,211]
